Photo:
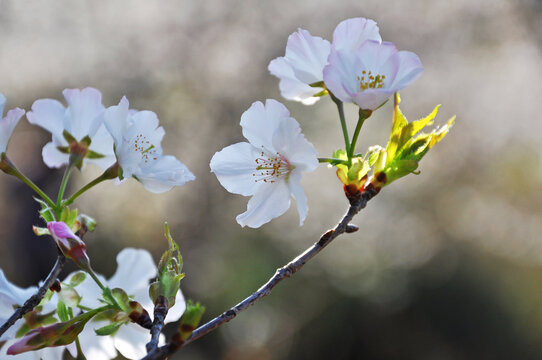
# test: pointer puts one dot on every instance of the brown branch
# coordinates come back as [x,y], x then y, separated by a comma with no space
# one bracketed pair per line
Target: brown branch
[356,204]
[35,299]
[160,313]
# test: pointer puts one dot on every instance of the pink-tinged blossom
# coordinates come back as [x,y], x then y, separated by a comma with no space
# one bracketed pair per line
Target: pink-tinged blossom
[138,149]
[370,75]
[307,55]
[71,245]
[7,123]
[269,166]
[81,118]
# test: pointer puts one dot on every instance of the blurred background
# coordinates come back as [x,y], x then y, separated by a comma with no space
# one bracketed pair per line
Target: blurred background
[446,265]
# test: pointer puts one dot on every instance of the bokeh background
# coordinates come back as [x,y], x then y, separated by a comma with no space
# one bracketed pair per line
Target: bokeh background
[446,265]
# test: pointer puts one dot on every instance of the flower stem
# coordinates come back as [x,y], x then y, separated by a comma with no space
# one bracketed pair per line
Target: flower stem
[8,167]
[363,115]
[63,185]
[106,291]
[332,161]
[111,173]
[340,108]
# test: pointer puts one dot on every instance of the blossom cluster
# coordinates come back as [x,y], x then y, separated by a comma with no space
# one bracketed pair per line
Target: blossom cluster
[356,67]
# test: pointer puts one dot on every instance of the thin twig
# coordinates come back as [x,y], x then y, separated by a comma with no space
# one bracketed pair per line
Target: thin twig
[282,273]
[35,299]
[160,313]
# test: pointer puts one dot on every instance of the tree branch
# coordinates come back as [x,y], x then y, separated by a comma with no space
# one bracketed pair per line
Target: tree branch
[160,313]
[356,204]
[35,299]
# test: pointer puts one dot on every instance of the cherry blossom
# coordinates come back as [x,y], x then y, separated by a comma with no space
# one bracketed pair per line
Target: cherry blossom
[83,117]
[138,149]
[269,166]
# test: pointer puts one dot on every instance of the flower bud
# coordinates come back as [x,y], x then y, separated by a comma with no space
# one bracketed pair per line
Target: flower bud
[71,245]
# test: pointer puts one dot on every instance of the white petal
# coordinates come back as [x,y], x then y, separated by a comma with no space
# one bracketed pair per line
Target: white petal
[290,87]
[163,174]
[49,114]
[116,120]
[146,123]
[85,112]
[259,122]
[307,55]
[410,68]
[52,157]
[130,341]
[102,143]
[7,125]
[299,195]
[269,202]
[374,54]
[234,167]
[340,76]
[351,33]
[291,143]
[135,267]
[371,99]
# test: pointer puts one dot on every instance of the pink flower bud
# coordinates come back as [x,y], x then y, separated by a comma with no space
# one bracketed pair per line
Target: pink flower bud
[70,244]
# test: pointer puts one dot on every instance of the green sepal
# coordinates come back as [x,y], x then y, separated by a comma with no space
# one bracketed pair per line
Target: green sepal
[69,137]
[122,299]
[46,213]
[63,149]
[94,155]
[86,140]
[110,329]
[77,278]
[87,221]
[353,175]
[62,311]
[69,217]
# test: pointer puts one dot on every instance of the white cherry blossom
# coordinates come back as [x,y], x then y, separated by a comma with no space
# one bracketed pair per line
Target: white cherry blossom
[269,166]
[370,75]
[83,117]
[307,55]
[138,149]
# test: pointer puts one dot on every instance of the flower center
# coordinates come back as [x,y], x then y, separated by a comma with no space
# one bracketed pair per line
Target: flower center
[142,145]
[370,81]
[270,168]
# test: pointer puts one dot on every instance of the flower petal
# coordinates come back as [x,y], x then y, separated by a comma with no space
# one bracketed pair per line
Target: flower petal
[115,119]
[371,99]
[163,174]
[93,346]
[299,195]
[135,267]
[351,33]
[130,341]
[291,143]
[49,114]
[177,310]
[85,112]
[292,88]
[259,122]
[234,166]
[410,68]
[307,55]
[52,157]
[270,201]
[7,124]
[340,75]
